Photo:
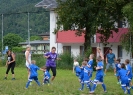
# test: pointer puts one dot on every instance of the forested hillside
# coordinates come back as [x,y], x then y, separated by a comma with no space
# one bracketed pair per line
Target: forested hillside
[16,18]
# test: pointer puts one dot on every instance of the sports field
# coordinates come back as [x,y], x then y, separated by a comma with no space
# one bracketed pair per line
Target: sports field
[66,83]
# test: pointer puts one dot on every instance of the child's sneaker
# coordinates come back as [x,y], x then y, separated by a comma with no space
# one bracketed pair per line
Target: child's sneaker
[13,78]
[5,78]
[125,92]
[105,91]
[81,89]
[91,92]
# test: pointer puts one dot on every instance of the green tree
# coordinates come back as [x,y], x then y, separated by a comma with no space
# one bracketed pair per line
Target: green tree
[11,40]
[93,15]
[32,38]
[126,39]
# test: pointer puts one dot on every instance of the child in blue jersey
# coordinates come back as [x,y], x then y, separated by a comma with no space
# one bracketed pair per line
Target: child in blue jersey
[77,70]
[33,73]
[124,79]
[99,76]
[86,76]
[76,63]
[46,76]
[118,68]
[129,69]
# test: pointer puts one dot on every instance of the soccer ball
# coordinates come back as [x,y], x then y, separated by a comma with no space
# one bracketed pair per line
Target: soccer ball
[76,64]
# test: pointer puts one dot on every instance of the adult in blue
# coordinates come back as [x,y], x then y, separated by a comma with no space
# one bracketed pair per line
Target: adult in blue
[110,59]
[51,61]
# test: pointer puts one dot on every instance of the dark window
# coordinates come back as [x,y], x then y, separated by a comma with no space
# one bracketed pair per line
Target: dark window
[82,50]
[119,51]
[106,51]
[67,49]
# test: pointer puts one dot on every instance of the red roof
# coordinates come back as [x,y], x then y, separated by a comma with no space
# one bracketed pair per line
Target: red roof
[69,37]
[115,37]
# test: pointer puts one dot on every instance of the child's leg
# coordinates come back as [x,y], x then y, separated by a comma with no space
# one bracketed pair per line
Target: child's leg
[94,86]
[88,85]
[104,87]
[123,87]
[28,83]
[36,80]
[82,85]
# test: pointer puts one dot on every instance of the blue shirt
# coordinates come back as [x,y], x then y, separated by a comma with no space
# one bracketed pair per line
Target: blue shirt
[118,67]
[33,70]
[51,61]
[129,69]
[100,71]
[110,58]
[90,64]
[81,76]
[123,75]
[77,70]
[47,75]
[87,73]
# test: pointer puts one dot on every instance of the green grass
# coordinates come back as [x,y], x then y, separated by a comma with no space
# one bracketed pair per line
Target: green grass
[66,83]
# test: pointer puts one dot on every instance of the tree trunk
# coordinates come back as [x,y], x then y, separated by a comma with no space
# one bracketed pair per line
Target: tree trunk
[87,43]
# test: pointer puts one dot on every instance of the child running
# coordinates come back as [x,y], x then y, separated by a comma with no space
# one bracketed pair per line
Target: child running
[75,64]
[129,69]
[99,76]
[90,63]
[124,79]
[86,76]
[33,73]
[46,76]
[118,68]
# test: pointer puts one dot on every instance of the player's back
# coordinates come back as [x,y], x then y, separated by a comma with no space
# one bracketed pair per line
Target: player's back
[100,71]
[33,70]
[47,74]
[87,72]
[90,63]
[123,74]
[129,68]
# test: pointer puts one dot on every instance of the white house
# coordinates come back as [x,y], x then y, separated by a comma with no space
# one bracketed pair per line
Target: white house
[68,41]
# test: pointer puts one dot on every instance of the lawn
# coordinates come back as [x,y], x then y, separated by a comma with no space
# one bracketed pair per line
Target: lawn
[66,83]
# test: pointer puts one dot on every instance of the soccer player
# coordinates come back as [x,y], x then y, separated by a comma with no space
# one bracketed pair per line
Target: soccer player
[129,69]
[99,76]
[77,70]
[124,79]
[118,68]
[86,76]
[46,76]
[33,73]
[90,63]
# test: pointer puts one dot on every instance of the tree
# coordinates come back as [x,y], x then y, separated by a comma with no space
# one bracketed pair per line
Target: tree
[126,39]
[11,40]
[93,15]
[32,38]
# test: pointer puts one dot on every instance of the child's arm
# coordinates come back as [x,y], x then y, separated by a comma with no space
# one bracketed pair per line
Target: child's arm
[98,68]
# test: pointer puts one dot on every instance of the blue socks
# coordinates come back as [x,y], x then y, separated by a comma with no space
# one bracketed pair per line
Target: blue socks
[28,83]
[104,87]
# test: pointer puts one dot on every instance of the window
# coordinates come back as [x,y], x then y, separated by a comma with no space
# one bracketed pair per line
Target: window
[67,49]
[119,51]
[82,50]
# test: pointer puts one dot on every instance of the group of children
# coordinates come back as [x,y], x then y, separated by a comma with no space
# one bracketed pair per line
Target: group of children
[124,75]
[34,75]
[84,73]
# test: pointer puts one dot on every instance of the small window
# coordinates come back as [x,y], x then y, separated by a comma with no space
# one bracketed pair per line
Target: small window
[119,51]
[82,50]
[67,49]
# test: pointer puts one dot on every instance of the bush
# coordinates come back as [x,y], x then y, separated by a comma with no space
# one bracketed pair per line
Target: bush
[66,61]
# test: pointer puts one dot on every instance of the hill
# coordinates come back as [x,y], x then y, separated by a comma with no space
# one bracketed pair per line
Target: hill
[16,17]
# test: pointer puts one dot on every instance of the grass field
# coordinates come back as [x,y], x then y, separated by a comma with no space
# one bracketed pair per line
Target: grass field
[66,83]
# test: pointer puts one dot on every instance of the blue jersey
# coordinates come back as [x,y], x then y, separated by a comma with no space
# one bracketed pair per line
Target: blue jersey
[129,69]
[77,70]
[87,72]
[110,58]
[118,67]
[123,76]
[81,76]
[47,75]
[33,70]
[90,64]
[100,71]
